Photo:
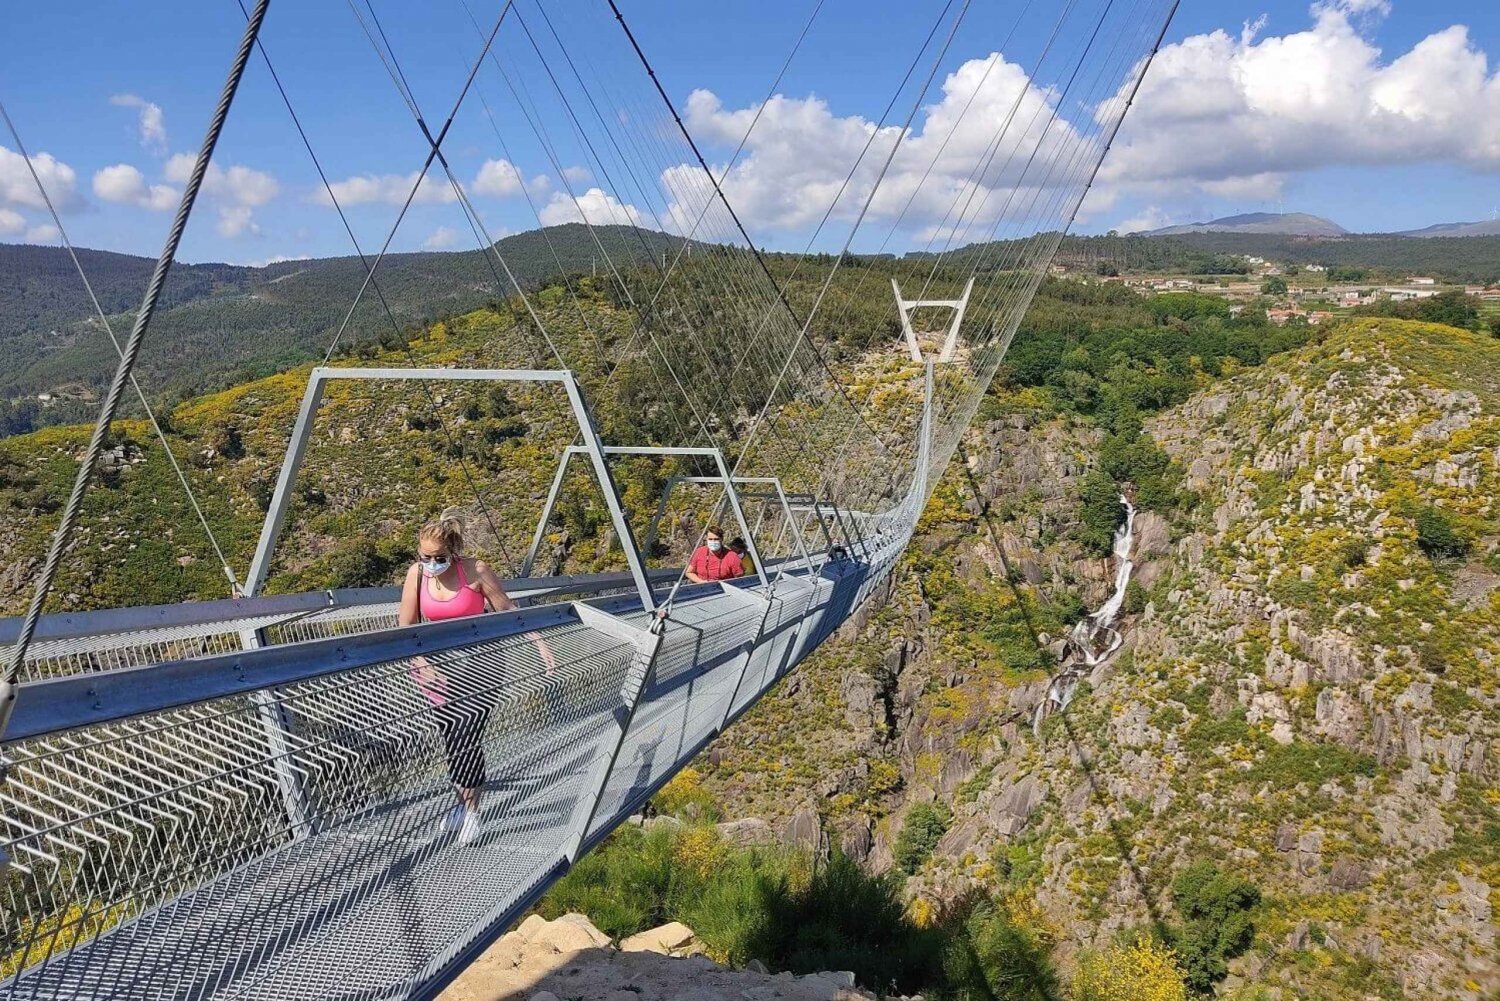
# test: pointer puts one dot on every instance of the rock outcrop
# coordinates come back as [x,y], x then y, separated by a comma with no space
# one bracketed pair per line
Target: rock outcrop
[569,958]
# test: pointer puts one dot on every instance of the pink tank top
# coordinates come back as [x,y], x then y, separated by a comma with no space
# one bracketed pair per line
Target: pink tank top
[465,601]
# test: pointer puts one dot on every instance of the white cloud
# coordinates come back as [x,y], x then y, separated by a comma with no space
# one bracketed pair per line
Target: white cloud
[501,179]
[265,262]
[46,233]
[126,185]
[441,239]
[1232,116]
[237,189]
[236,220]
[578,175]
[150,122]
[18,188]
[1149,218]
[595,206]
[497,177]
[966,150]
[11,222]
[390,189]
[236,184]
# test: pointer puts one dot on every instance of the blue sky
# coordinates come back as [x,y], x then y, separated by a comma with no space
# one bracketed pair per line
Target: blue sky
[1380,115]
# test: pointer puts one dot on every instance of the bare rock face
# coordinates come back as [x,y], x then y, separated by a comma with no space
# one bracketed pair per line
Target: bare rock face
[858,839]
[1153,536]
[1010,811]
[1348,874]
[861,695]
[804,830]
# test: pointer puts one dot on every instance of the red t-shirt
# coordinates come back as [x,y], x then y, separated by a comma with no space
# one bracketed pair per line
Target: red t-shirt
[723,565]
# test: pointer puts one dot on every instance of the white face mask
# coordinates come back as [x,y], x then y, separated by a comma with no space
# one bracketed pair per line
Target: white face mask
[435,568]
[714,545]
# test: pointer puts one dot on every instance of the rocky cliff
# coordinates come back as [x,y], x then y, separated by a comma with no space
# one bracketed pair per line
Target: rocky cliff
[1306,695]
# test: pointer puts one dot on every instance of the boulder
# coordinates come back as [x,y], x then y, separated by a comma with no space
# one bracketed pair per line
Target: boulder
[664,939]
[804,830]
[527,930]
[1348,874]
[569,933]
[746,832]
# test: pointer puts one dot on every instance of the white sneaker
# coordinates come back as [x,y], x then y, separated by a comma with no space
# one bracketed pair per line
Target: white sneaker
[452,820]
[469,829]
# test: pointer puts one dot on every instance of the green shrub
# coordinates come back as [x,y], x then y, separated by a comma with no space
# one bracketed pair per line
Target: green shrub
[847,919]
[748,904]
[362,562]
[1102,513]
[925,825]
[1438,537]
[1313,762]
[1217,914]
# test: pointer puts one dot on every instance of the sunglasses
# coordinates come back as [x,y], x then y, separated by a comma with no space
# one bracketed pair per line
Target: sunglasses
[431,557]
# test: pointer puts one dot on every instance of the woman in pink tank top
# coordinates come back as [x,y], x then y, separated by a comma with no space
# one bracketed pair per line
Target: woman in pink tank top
[444,584]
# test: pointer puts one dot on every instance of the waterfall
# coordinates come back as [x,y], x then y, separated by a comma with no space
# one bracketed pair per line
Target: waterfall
[1094,638]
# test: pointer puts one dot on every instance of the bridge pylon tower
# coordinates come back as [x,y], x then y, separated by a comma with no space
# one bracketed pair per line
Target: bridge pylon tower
[950,342]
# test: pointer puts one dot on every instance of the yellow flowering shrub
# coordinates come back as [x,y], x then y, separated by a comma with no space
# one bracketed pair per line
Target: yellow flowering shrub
[701,851]
[921,912]
[685,796]
[1145,971]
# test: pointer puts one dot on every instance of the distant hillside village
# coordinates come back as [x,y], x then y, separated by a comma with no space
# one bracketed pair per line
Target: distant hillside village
[1291,292]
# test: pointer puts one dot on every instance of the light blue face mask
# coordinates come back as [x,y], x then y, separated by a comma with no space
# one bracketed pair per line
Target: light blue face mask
[714,545]
[435,568]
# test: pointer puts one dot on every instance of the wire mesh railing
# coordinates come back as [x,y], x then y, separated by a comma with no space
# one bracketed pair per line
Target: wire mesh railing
[287,840]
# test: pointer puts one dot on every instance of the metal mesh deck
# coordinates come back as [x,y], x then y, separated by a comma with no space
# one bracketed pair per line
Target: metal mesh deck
[285,843]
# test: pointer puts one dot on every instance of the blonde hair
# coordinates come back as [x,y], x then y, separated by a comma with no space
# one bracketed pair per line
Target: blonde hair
[448,529]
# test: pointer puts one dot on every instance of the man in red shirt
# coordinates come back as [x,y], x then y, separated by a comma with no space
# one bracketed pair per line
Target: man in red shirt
[714,561]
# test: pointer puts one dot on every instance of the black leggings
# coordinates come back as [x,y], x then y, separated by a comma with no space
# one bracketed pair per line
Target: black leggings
[461,723]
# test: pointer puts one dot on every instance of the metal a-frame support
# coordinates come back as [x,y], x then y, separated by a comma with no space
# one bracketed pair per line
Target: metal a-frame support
[776,492]
[302,430]
[273,718]
[663,450]
[950,343]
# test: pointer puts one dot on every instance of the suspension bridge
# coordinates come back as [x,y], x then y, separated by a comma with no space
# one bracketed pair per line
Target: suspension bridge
[240,797]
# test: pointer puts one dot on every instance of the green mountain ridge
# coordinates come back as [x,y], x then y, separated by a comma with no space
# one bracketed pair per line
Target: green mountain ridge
[222,324]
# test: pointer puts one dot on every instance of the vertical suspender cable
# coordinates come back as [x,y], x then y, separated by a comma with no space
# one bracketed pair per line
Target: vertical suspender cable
[759,257]
[64,533]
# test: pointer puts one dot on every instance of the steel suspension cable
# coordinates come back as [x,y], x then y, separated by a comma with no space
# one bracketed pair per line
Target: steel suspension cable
[62,232]
[759,257]
[64,533]
[370,282]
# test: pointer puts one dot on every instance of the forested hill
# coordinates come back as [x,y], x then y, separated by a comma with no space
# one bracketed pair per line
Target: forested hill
[1469,259]
[221,324]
